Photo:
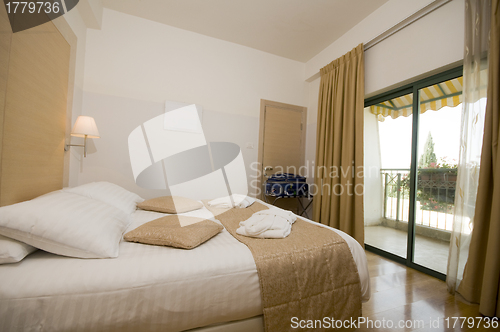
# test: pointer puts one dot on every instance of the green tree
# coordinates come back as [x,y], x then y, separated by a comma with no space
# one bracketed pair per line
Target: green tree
[428,157]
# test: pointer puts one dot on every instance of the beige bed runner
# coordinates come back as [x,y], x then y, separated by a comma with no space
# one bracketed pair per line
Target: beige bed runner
[309,275]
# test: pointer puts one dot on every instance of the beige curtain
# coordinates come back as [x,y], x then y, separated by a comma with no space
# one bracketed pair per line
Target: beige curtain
[481,280]
[338,180]
[477,32]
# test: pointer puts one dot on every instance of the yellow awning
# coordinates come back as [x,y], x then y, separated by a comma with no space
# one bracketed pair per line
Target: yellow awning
[434,97]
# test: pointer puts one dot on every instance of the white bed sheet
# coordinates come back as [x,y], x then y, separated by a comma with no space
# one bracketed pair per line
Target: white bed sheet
[147,287]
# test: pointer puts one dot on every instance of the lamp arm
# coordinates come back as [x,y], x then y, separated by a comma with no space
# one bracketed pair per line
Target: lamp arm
[84,145]
[66,146]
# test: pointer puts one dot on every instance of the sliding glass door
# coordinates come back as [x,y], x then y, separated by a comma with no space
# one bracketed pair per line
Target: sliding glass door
[438,149]
[388,160]
[411,152]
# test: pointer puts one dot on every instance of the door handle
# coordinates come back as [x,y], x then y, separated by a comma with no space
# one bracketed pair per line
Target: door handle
[267,168]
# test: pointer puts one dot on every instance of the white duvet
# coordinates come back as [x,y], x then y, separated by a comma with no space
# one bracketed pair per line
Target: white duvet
[150,288]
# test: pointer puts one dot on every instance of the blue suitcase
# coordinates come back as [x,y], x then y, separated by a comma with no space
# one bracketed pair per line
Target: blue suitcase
[286,185]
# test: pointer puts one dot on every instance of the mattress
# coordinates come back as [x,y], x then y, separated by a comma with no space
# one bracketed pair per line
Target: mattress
[148,287]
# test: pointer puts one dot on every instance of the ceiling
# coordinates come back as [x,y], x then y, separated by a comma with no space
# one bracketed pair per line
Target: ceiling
[294,29]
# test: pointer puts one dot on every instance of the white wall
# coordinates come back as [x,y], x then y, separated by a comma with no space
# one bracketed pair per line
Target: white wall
[77,24]
[433,42]
[385,17]
[373,198]
[134,65]
[91,12]
[97,9]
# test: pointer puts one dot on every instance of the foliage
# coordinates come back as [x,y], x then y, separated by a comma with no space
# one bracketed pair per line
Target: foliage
[429,202]
[444,162]
[392,188]
[432,197]
[435,189]
[436,186]
[428,157]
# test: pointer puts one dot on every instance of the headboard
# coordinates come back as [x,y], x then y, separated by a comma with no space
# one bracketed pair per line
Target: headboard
[34,69]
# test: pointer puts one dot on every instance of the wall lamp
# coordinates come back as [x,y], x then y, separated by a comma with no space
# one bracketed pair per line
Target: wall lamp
[84,127]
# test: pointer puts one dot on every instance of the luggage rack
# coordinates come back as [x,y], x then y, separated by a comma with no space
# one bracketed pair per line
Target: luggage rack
[287,185]
[303,209]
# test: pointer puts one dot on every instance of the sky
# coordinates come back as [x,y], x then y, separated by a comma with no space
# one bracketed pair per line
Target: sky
[395,136]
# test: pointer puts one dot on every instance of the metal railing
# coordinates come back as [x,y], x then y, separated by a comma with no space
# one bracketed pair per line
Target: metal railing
[435,196]
[394,187]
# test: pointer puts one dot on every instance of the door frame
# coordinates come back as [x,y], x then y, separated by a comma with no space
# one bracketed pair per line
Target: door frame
[413,88]
[263,104]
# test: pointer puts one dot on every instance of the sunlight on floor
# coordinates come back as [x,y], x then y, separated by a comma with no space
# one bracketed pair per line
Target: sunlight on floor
[429,252]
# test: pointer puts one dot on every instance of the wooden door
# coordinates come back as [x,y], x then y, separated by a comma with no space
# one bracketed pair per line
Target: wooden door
[282,138]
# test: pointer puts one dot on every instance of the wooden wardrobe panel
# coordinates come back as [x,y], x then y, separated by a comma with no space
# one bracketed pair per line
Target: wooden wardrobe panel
[35,114]
[5,39]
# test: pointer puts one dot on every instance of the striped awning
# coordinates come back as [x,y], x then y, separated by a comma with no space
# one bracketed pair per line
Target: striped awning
[434,97]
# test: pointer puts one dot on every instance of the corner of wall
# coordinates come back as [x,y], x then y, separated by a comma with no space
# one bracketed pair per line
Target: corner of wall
[91,12]
[386,16]
[73,27]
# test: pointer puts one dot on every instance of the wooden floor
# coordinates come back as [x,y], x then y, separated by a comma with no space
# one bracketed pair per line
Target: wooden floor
[400,294]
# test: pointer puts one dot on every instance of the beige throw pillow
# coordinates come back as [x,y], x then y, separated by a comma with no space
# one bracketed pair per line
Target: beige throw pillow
[175,231]
[170,204]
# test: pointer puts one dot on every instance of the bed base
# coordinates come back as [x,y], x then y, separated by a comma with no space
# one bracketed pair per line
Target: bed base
[253,324]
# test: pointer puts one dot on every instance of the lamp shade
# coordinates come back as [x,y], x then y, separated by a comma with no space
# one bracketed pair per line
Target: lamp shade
[85,125]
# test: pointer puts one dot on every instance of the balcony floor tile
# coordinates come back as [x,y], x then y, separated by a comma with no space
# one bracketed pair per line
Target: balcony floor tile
[429,252]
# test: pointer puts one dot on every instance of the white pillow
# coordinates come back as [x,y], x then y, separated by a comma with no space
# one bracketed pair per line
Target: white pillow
[12,251]
[109,193]
[66,224]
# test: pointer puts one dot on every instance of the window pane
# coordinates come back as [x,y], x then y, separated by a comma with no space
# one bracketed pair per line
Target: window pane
[439,140]
[388,128]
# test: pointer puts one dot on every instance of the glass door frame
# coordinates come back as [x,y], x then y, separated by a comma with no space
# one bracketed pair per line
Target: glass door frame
[414,89]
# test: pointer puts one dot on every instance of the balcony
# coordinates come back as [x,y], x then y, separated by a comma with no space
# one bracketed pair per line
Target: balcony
[434,214]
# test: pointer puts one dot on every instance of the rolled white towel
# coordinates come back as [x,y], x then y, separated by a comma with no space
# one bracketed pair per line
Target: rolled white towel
[269,234]
[261,223]
[240,201]
[288,215]
[271,223]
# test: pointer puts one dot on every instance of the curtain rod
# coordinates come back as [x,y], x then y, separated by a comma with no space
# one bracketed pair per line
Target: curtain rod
[397,27]
[404,23]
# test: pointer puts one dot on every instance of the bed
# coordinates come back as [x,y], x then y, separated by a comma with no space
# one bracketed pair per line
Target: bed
[213,287]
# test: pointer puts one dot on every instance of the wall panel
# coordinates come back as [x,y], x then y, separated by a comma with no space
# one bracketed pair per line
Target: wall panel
[35,114]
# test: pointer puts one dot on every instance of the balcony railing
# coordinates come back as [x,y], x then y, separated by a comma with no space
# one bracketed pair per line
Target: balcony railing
[435,196]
